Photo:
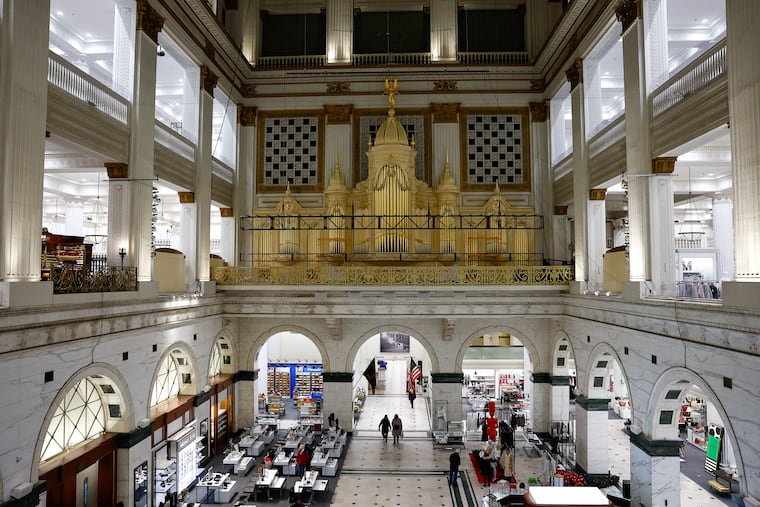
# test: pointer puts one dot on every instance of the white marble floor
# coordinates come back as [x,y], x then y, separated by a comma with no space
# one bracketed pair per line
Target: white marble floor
[378,473]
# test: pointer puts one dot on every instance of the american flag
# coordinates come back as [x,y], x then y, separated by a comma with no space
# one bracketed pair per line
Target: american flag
[415,372]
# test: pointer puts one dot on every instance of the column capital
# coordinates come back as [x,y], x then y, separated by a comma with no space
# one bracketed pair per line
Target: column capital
[117,170]
[148,20]
[226,212]
[597,194]
[339,114]
[445,113]
[560,210]
[208,80]
[592,404]
[664,165]
[574,73]
[626,11]
[248,91]
[656,447]
[246,115]
[338,376]
[539,111]
[447,378]
[186,197]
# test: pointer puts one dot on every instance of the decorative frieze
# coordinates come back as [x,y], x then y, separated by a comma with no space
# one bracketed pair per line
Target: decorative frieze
[627,11]
[538,112]
[208,80]
[537,84]
[445,86]
[335,326]
[339,87]
[339,114]
[148,20]
[248,91]
[445,113]
[574,73]
[186,197]
[664,165]
[246,115]
[117,170]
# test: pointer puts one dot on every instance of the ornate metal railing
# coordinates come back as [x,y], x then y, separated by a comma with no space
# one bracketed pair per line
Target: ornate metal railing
[68,280]
[391,59]
[700,73]
[70,79]
[463,58]
[325,274]
[290,62]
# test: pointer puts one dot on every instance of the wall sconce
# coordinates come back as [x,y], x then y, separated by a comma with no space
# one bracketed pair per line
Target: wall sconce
[122,254]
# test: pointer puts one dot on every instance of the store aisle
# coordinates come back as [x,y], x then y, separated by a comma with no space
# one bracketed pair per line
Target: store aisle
[416,420]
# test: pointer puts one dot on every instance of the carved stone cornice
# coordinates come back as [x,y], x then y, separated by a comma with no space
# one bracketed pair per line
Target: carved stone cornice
[537,84]
[339,87]
[445,86]
[248,91]
[208,80]
[664,165]
[597,194]
[626,11]
[339,114]
[117,170]
[575,73]
[225,212]
[186,197]
[246,115]
[560,210]
[208,50]
[538,112]
[447,333]
[148,20]
[335,326]
[445,113]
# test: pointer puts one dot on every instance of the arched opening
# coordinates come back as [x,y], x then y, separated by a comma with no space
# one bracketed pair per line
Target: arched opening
[562,406]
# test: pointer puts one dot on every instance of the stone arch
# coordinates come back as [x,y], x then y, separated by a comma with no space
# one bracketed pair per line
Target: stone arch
[105,372]
[225,336]
[593,370]
[420,337]
[178,350]
[560,359]
[258,342]
[665,398]
[526,342]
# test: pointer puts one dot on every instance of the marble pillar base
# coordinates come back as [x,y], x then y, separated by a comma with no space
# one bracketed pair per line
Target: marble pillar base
[592,440]
[635,290]
[18,294]
[578,287]
[655,480]
[741,294]
[147,290]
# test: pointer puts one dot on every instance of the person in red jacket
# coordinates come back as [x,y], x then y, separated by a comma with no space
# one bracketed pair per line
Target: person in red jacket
[302,460]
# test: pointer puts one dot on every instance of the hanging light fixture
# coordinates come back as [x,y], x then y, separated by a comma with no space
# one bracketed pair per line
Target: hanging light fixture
[99,213]
[688,231]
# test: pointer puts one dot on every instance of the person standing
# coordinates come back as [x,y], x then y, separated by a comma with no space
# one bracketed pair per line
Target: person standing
[412,396]
[454,462]
[385,426]
[302,459]
[397,428]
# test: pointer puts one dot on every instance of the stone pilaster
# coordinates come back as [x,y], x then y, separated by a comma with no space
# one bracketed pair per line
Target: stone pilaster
[244,187]
[187,230]
[338,141]
[543,190]
[246,398]
[443,30]
[338,398]
[655,472]
[663,233]
[560,234]
[723,234]
[591,435]
[445,141]
[340,30]
[118,210]
[202,180]
[540,403]
[581,176]
[447,387]
[597,237]
[229,233]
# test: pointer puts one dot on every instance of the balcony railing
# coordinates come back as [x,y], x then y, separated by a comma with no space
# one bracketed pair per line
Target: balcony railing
[72,280]
[464,58]
[290,62]
[609,135]
[175,141]
[511,58]
[391,59]
[72,80]
[703,71]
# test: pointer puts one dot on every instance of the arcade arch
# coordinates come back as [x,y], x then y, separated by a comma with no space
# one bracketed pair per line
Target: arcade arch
[174,376]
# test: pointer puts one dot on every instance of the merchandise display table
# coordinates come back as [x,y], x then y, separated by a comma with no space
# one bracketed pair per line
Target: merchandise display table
[544,496]
[293,442]
[319,460]
[331,468]
[244,466]
[233,458]
[219,484]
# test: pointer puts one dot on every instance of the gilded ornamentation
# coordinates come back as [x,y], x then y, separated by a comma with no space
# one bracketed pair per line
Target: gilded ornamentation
[248,91]
[246,115]
[208,49]
[225,212]
[117,170]
[538,112]
[664,165]
[186,197]
[339,114]
[391,90]
[68,280]
[560,210]
[444,86]
[339,87]
[597,194]
[627,11]
[148,20]
[208,80]
[575,73]
[537,84]
[445,113]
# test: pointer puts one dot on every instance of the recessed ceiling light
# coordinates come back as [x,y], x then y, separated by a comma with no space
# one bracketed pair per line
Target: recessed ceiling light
[88,34]
[60,13]
[606,73]
[704,20]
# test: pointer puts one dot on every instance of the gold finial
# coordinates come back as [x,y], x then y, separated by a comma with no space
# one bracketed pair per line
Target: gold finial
[391,89]
[414,144]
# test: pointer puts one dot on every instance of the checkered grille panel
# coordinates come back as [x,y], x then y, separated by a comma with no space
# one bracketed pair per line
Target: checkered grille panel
[414,126]
[290,151]
[495,149]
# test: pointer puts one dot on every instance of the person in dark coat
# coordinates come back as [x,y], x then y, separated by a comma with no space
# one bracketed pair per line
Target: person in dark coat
[412,396]
[385,427]
[397,428]
[454,462]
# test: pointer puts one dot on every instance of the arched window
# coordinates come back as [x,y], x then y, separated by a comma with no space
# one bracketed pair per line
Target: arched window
[79,417]
[167,381]
[215,364]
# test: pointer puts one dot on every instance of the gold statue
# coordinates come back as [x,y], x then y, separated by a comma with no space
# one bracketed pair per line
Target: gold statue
[391,89]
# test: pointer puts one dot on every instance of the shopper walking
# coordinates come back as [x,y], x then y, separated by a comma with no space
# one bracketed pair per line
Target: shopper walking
[454,462]
[384,427]
[412,396]
[398,428]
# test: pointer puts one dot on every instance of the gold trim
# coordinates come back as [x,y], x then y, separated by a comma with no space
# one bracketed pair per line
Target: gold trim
[246,115]
[445,113]
[339,114]
[148,20]
[465,185]
[664,165]
[117,170]
[574,73]
[208,80]
[263,188]
[444,86]
[627,11]
[597,194]
[225,212]
[338,87]
[538,111]
[186,197]
[560,210]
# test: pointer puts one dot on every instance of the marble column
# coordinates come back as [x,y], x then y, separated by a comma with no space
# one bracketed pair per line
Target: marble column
[561,234]
[250,44]
[123,47]
[591,435]
[540,402]
[340,30]
[245,398]
[23,104]
[338,145]
[132,449]
[447,387]
[443,30]
[118,211]
[141,143]
[655,14]
[202,181]
[445,139]
[228,234]
[597,237]
[581,176]
[663,234]
[338,398]
[243,198]
[560,398]
[723,234]
[543,190]
[637,146]
[188,214]
[655,472]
